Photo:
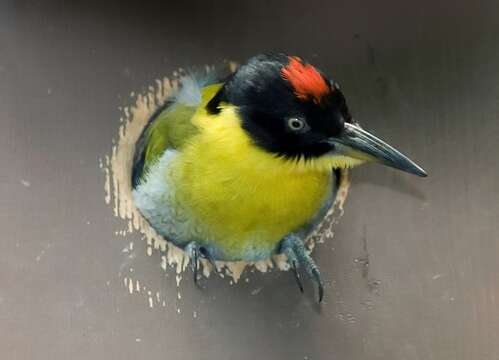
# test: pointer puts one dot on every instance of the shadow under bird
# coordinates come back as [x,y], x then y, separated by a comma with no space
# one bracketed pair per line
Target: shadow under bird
[246,168]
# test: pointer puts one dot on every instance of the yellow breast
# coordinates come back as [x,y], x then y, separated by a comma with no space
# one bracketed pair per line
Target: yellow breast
[246,199]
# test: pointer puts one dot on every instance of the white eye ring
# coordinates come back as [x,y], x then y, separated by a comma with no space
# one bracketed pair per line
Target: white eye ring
[296,124]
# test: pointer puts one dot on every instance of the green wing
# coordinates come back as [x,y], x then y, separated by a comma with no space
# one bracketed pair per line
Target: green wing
[169,128]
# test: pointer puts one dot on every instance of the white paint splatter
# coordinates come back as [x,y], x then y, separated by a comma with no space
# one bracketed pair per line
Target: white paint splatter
[151,302]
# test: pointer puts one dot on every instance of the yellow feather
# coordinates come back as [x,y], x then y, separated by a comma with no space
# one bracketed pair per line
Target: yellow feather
[246,198]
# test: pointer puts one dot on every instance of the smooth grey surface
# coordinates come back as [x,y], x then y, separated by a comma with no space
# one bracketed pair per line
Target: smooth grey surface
[413,270]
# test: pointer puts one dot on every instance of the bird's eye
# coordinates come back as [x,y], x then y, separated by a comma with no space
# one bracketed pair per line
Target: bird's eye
[296,124]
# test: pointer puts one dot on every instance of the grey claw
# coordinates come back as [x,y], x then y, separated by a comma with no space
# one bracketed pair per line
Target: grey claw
[320,285]
[297,276]
[195,267]
[297,254]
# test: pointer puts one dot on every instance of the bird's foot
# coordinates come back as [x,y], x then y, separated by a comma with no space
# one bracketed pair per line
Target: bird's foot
[294,248]
[196,251]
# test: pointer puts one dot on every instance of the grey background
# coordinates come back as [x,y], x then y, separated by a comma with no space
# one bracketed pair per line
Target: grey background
[412,272]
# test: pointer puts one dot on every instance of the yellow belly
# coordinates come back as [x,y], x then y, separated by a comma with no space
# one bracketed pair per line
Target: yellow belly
[245,199]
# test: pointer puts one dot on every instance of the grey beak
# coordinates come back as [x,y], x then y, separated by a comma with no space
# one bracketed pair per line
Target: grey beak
[359,144]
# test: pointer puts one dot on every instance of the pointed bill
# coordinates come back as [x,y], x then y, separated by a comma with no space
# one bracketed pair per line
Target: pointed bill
[359,144]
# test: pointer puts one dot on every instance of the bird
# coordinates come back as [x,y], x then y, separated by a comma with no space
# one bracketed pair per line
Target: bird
[245,167]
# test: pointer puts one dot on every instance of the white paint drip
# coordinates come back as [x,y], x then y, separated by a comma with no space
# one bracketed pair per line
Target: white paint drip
[130,286]
[151,302]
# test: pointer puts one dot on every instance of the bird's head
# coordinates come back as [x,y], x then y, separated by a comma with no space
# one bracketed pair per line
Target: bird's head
[291,109]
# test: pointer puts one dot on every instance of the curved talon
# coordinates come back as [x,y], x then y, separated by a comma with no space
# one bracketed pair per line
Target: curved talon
[196,252]
[195,267]
[320,285]
[297,275]
[297,254]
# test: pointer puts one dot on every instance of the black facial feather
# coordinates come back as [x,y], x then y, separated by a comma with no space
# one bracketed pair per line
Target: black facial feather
[266,101]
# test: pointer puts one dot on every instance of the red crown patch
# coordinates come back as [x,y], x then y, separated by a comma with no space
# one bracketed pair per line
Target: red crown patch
[306,81]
